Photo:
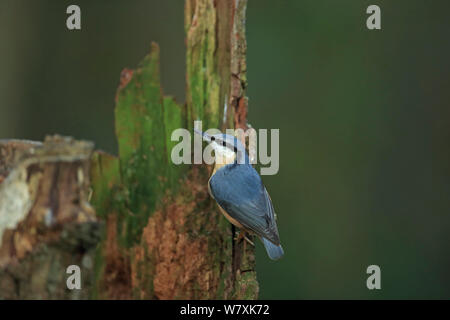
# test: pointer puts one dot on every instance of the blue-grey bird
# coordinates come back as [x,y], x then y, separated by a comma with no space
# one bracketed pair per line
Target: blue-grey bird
[240,193]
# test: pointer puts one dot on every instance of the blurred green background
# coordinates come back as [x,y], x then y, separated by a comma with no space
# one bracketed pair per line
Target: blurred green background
[363,115]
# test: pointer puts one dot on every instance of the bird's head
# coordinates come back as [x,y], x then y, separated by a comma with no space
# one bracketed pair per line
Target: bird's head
[227,149]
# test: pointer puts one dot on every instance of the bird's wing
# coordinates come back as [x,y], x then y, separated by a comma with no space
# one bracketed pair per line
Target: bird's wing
[238,189]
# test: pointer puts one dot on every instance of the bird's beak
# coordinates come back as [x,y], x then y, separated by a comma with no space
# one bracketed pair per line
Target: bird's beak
[205,136]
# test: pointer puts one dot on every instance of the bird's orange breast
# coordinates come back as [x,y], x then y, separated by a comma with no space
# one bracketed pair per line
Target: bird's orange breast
[229,218]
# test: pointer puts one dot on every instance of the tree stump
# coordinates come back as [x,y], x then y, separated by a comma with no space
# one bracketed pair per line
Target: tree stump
[138,226]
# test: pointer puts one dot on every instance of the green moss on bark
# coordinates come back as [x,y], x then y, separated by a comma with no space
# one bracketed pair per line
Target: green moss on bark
[143,187]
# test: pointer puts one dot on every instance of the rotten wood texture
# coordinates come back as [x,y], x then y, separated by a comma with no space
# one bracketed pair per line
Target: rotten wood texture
[163,235]
[46,221]
[216,62]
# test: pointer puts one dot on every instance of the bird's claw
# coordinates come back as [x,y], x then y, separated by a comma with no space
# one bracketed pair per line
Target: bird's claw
[244,237]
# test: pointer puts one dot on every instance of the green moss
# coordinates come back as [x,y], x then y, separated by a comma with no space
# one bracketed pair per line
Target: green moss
[246,287]
[145,275]
[132,187]
[99,267]
[174,118]
[142,143]
[104,181]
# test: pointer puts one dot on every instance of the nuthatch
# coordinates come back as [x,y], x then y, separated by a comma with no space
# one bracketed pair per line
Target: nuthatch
[240,193]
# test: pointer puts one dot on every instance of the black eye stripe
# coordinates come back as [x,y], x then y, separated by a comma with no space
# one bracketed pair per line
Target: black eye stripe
[230,146]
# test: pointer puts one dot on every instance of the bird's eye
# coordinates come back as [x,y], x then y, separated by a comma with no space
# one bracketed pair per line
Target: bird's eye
[224,143]
[213,139]
[235,149]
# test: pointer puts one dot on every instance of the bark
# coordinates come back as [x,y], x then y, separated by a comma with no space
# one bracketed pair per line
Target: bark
[46,222]
[156,233]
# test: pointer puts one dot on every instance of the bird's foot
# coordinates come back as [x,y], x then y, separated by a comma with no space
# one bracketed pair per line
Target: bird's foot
[249,241]
[242,236]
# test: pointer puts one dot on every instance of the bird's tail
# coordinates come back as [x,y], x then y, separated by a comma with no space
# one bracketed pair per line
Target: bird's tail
[273,251]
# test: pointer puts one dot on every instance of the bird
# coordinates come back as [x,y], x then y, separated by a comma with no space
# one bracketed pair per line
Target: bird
[240,193]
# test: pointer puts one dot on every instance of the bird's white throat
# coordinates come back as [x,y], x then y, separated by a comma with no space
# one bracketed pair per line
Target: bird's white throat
[223,155]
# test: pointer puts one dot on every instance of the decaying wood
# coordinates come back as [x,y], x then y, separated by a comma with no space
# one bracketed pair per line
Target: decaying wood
[163,236]
[46,221]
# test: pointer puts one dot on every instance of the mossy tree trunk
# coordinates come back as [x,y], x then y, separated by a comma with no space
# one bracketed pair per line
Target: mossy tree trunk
[162,235]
